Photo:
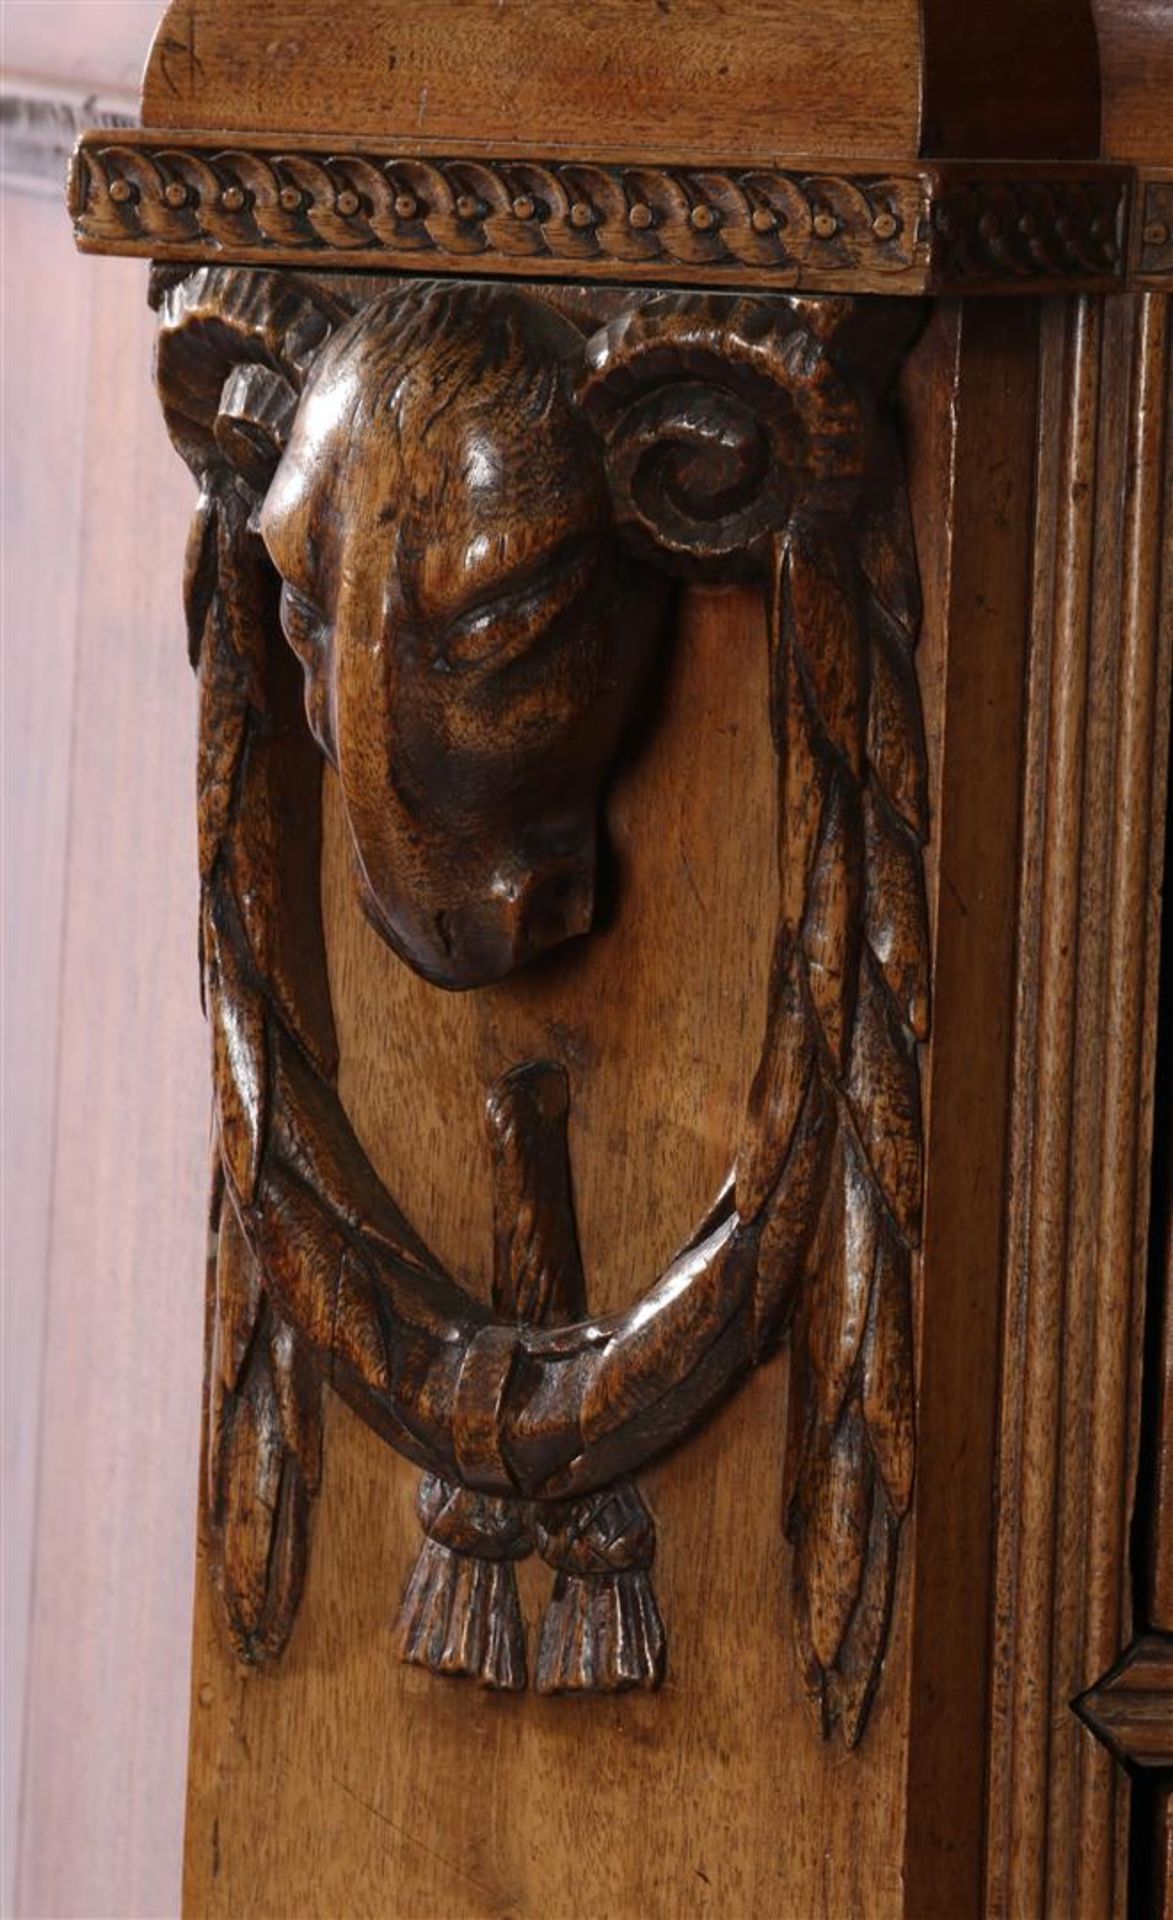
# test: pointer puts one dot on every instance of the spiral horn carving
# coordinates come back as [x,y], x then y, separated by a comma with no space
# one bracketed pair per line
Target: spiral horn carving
[718,419]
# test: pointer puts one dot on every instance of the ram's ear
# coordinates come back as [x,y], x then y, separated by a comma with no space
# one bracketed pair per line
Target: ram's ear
[253,422]
[234,352]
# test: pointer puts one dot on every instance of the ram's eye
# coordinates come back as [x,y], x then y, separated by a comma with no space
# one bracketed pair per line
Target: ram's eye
[304,624]
[503,625]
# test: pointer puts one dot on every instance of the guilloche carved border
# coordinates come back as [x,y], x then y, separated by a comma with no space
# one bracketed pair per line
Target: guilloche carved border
[873,227]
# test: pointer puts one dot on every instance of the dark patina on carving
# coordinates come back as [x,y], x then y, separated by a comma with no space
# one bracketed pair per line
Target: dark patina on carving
[690,434]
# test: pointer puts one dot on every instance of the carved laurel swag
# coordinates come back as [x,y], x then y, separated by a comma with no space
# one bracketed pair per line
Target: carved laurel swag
[743,438]
[829,1170]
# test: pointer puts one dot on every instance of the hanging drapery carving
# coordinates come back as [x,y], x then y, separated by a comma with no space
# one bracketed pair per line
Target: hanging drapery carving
[464,506]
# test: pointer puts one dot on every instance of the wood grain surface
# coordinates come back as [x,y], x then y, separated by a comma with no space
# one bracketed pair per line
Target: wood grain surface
[769,76]
[988,85]
[1136,76]
[618,75]
[1159,1353]
[969,401]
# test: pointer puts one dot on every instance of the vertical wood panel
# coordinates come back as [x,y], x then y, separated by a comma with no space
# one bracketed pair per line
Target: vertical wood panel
[971,410]
[1158,396]
[1091,865]
[1063,614]
[1117,1115]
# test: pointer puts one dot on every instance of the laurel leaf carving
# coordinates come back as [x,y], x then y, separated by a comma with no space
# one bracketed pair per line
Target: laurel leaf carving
[897,923]
[832,928]
[852,1682]
[841,1277]
[239,1051]
[828,639]
[887,549]
[781,1081]
[237,1298]
[896,744]
[883,1090]
[200,571]
[831,1548]
[298,1390]
[263,1449]
[791,1215]
[887,1371]
[263,1444]
[844,618]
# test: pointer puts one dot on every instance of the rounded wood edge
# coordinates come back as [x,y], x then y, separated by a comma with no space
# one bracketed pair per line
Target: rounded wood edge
[913,78]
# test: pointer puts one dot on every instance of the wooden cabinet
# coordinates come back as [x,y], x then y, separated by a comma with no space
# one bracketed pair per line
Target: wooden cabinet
[679,592]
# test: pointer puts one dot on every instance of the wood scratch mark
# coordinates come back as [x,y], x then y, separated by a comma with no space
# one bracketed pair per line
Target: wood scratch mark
[441,1859]
[172,49]
[691,878]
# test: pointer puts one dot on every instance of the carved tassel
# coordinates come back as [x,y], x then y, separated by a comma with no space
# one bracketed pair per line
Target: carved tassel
[460,1612]
[602,1631]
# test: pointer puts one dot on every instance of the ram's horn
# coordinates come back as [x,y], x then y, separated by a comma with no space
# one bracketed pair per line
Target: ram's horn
[718,418]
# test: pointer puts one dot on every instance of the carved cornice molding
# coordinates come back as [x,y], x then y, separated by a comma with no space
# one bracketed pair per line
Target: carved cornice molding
[903,229]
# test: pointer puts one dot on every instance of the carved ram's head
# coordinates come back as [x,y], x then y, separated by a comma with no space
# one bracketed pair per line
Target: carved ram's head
[461,495]
[470,631]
